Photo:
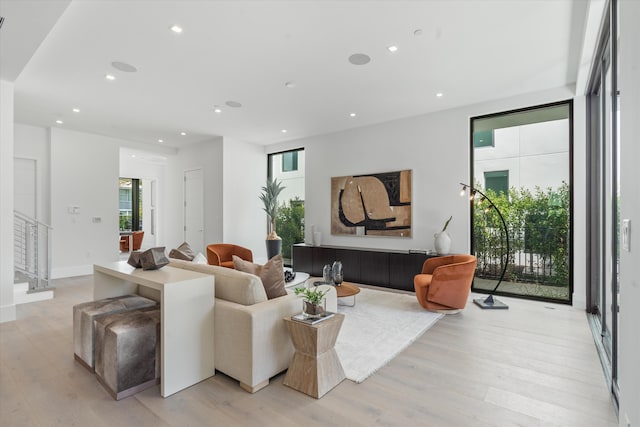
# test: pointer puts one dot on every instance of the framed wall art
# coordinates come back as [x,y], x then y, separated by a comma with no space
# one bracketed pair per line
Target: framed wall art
[377,204]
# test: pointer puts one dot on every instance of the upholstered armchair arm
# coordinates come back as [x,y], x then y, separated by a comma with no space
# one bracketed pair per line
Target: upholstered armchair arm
[243,253]
[431,264]
[212,257]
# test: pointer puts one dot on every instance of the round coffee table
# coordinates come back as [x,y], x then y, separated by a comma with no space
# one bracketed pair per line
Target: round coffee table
[346,289]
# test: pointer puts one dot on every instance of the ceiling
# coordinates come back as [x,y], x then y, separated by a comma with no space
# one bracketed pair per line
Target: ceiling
[470,51]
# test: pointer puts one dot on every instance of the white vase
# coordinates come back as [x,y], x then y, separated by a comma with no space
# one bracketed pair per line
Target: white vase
[442,242]
[317,238]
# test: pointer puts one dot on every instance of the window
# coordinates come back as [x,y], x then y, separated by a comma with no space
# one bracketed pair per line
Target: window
[130,204]
[290,161]
[288,168]
[521,159]
[497,181]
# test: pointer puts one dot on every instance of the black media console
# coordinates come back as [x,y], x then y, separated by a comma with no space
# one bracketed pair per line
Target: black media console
[380,267]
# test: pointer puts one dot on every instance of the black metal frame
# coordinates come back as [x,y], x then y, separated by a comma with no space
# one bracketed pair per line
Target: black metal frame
[568,102]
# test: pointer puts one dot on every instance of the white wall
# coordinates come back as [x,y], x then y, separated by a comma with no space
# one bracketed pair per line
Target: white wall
[292,181]
[629,333]
[7,307]
[32,142]
[579,202]
[245,172]
[535,155]
[84,173]
[208,157]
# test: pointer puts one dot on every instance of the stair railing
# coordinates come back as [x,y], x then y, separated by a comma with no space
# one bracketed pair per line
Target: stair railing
[32,251]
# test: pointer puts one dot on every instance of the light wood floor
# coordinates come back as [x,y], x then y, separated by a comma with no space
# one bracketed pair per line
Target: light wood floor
[532,365]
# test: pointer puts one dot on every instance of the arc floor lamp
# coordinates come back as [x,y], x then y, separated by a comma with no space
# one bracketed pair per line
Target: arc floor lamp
[489,302]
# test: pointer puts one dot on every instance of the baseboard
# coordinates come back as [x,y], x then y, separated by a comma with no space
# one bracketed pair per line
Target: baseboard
[21,294]
[7,313]
[77,270]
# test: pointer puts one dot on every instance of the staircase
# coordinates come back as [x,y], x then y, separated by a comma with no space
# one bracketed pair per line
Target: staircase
[31,259]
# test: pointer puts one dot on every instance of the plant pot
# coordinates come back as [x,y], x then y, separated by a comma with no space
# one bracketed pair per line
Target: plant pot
[442,242]
[311,310]
[274,247]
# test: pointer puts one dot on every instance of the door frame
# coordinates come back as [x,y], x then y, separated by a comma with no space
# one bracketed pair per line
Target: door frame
[184,204]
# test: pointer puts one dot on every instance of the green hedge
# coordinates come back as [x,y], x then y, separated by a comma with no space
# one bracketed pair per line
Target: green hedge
[538,224]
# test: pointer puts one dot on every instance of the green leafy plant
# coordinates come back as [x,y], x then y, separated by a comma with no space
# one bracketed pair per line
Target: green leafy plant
[538,223]
[269,197]
[313,295]
[446,224]
[290,225]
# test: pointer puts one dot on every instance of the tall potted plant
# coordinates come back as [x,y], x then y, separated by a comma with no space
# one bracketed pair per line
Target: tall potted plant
[269,197]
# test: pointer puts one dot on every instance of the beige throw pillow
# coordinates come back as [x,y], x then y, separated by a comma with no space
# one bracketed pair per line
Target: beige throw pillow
[182,252]
[271,274]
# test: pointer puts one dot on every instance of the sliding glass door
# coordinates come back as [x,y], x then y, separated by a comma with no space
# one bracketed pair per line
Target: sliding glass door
[603,199]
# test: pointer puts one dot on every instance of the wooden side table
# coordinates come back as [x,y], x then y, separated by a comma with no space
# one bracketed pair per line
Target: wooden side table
[347,289]
[315,368]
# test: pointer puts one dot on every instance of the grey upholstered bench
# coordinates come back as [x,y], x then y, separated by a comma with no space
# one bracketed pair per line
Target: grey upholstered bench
[85,314]
[127,347]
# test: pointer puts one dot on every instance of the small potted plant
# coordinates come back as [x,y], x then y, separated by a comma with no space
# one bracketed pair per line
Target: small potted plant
[312,306]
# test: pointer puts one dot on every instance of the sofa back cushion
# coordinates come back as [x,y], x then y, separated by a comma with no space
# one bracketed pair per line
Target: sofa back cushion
[231,285]
[271,274]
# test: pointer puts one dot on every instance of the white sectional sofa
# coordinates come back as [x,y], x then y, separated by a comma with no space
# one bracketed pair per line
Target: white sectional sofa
[252,343]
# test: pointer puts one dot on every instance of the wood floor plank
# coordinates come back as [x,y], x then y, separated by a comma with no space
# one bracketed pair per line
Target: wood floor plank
[532,365]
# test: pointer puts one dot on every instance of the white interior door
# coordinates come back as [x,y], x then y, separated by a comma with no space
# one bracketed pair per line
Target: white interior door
[24,187]
[193,210]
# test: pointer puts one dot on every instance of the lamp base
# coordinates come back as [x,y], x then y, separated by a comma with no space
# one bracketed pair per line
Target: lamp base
[489,303]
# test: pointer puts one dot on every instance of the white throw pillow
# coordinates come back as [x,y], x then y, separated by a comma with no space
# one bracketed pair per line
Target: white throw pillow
[199,258]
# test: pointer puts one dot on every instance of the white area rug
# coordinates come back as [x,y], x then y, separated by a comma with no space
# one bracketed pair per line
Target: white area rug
[378,328]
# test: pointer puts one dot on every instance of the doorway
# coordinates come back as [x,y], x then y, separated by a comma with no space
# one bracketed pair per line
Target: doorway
[194,209]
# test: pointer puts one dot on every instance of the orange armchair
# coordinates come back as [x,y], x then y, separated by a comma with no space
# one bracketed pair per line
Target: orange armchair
[222,254]
[136,238]
[445,282]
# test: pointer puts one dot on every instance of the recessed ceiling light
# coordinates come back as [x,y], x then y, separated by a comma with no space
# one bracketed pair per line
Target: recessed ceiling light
[123,66]
[76,110]
[233,104]
[183,133]
[290,85]
[217,109]
[359,59]
[417,32]
[133,156]
[283,131]
[352,114]
[176,29]
[59,122]
[439,94]
[110,77]
[392,48]
[161,141]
